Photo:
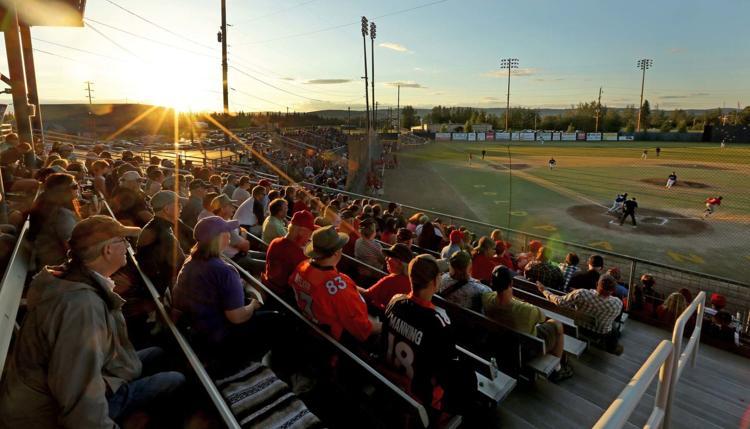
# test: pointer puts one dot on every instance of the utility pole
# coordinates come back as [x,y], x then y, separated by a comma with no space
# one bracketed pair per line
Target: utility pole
[642,64]
[508,63]
[372,78]
[349,119]
[737,115]
[598,110]
[30,71]
[398,107]
[367,90]
[224,64]
[92,117]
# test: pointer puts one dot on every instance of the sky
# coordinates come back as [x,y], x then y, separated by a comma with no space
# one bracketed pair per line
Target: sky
[307,55]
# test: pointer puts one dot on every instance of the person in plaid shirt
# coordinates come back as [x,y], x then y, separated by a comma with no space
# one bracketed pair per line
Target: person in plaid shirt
[542,270]
[568,268]
[599,303]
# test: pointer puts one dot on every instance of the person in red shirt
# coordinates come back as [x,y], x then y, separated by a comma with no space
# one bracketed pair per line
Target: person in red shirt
[285,253]
[484,261]
[327,297]
[711,204]
[397,259]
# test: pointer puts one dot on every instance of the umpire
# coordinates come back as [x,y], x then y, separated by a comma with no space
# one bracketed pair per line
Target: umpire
[628,209]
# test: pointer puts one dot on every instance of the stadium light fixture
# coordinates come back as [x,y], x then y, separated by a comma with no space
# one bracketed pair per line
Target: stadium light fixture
[508,63]
[642,64]
[367,96]
[372,76]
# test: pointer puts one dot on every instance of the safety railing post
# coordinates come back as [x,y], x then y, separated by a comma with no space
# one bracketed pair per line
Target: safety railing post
[631,284]
[663,388]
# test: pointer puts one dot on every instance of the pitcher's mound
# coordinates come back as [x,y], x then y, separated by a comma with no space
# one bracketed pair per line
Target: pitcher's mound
[650,221]
[679,184]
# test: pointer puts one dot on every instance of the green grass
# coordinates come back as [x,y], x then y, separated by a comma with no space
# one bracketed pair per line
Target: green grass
[596,172]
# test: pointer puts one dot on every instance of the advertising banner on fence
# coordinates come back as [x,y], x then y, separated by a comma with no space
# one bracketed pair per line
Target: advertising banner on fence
[580,136]
[490,135]
[515,136]
[594,137]
[460,136]
[442,136]
[502,136]
[626,138]
[472,137]
[480,137]
[569,136]
[557,136]
[527,136]
[610,137]
[544,136]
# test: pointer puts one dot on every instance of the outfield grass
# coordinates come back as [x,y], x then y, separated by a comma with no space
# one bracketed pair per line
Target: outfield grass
[438,177]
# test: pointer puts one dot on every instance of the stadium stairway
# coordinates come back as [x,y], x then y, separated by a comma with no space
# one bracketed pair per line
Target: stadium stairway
[715,394]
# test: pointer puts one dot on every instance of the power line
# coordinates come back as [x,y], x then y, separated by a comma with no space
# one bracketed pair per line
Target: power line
[349,24]
[53,54]
[148,38]
[158,26]
[272,85]
[255,96]
[276,12]
[112,41]
[76,49]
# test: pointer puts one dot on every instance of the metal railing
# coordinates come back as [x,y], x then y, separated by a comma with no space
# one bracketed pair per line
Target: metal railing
[680,357]
[674,276]
[670,360]
[617,415]
[213,393]
[11,290]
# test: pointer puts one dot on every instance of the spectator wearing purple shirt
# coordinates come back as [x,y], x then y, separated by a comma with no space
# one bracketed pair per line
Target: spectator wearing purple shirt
[209,297]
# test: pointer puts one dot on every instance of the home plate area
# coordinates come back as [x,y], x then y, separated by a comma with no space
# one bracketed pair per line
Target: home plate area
[650,221]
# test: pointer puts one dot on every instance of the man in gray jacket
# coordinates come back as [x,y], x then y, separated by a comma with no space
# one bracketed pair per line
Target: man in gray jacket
[73,365]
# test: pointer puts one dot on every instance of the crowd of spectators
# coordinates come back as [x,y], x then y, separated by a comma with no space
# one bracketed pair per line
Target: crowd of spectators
[184,224]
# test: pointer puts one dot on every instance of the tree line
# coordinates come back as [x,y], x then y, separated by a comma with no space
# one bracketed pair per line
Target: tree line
[581,117]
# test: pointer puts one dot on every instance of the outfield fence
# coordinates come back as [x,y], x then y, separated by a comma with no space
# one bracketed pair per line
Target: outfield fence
[669,278]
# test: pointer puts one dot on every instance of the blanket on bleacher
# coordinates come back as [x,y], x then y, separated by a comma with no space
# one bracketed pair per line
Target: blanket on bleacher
[259,399]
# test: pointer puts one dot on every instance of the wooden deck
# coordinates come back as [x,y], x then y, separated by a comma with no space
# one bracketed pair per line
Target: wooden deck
[713,395]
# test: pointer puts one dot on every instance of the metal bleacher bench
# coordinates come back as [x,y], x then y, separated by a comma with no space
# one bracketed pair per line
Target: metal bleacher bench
[11,290]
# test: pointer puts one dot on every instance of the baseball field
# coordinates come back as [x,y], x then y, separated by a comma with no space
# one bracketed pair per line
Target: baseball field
[514,186]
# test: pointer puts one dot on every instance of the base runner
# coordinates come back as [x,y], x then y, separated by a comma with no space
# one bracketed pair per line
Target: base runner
[617,205]
[711,204]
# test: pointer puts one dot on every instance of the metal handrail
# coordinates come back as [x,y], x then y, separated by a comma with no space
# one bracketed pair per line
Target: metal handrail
[221,406]
[617,415]
[681,358]
[423,416]
[12,295]
[549,239]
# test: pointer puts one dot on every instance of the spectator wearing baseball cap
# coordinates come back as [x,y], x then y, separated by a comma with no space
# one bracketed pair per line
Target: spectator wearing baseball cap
[456,243]
[158,250]
[128,201]
[422,334]
[336,303]
[75,343]
[458,286]
[285,253]
[193,207]
[209,294]
[275,224]
[501,306]
[239,246]
[404,236]
[53,217]
[396,282]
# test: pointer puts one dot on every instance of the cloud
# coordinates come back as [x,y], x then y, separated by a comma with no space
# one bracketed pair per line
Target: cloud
[490,99]
[327,81]
[514,72]
[287,78]
[677,50]
[418,69]
[692,95]
[541,79]
[395,47]
[404,84]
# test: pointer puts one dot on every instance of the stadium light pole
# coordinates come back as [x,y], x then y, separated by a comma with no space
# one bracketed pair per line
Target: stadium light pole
[642,64]
[508,63]
[372,77]
[367,90]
